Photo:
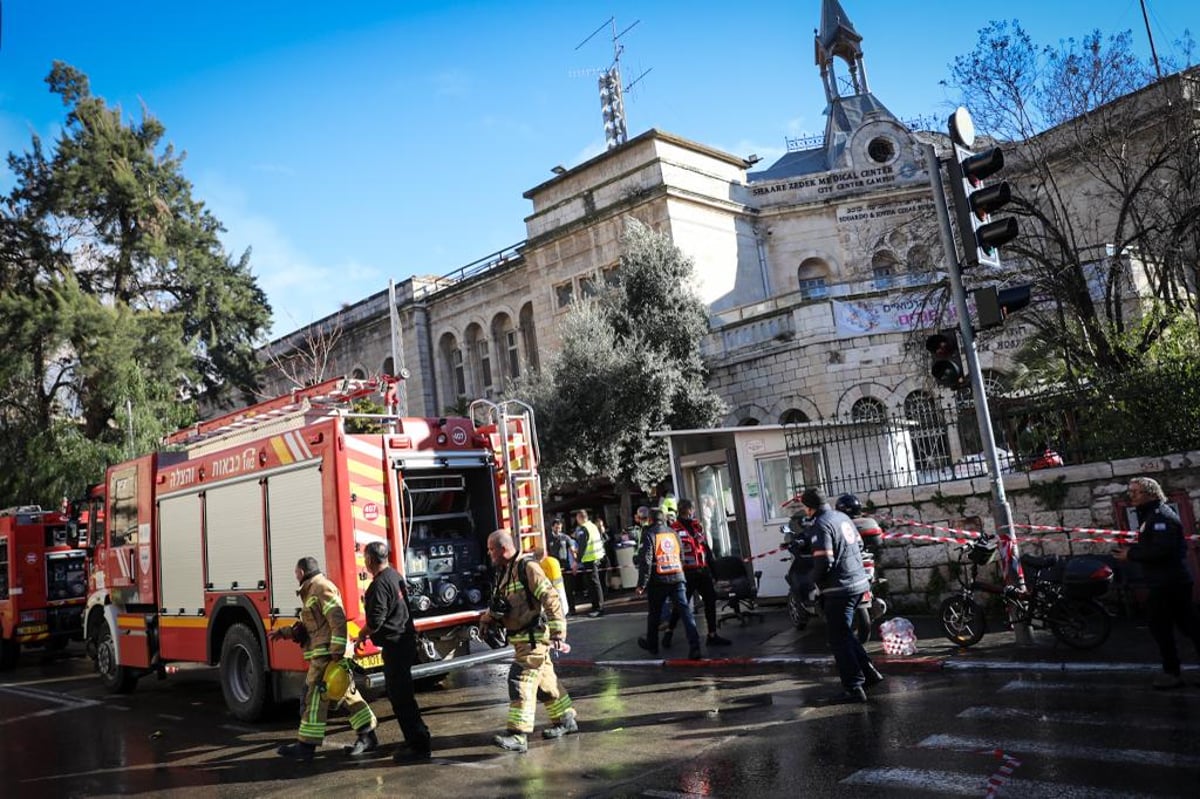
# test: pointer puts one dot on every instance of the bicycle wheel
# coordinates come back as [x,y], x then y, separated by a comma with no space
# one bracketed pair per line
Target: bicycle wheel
[963,620]
[1079,623]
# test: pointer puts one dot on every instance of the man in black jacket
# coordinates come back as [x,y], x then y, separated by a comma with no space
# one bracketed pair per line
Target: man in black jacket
[1160,549]
[390,626]
[839,575]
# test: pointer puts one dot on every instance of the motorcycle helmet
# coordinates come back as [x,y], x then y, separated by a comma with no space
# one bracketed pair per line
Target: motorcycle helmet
[849,505]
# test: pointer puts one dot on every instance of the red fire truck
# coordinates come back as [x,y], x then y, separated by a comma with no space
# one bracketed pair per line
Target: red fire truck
[194,559]
[43,583]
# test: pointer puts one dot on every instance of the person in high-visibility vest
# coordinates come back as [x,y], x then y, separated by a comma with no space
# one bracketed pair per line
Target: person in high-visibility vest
[590,545]
[661,574]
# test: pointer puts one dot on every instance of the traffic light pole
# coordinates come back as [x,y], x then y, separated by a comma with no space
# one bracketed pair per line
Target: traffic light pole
[1001,512]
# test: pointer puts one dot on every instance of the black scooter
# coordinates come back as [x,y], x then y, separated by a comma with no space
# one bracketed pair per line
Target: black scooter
[799,578]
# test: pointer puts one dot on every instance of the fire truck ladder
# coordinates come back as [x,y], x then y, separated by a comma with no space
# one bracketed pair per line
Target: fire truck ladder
[302,403]
[513,435]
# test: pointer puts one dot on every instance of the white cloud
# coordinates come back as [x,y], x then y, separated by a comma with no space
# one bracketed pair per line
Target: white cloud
[299,289]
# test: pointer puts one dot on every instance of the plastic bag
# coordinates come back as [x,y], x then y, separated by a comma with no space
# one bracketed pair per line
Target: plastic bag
[899,637]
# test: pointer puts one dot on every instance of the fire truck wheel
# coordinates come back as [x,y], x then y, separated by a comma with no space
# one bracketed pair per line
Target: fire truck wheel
[244,678]
[8,653]
[116,678]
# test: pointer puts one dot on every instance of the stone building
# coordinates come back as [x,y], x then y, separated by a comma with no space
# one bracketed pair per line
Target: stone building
[822,272]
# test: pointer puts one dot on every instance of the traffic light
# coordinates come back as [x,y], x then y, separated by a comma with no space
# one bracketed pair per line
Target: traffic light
[947,368]
[974,202]
[993,306]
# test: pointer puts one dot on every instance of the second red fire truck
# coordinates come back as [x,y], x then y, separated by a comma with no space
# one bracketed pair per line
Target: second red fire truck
[43,582]
[193,561]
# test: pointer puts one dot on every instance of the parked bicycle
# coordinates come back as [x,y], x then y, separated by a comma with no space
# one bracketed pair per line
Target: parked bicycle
[1060,595]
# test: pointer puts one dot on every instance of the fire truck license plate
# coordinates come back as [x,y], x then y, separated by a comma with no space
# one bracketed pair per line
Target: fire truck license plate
[370,661]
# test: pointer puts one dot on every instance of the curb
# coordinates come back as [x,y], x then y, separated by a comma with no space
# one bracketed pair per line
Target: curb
[918,665]
[1008,665]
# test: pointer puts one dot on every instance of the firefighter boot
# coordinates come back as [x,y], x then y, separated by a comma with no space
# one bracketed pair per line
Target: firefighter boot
[367,742]
[564,726]
[297,750]
[513,742]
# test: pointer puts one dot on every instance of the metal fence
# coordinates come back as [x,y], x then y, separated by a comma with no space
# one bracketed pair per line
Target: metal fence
[930,440]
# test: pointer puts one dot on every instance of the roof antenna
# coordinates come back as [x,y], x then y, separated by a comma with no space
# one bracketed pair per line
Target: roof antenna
[612,99]
[1150,36]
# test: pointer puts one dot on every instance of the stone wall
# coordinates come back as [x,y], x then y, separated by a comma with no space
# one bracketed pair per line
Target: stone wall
[920,575]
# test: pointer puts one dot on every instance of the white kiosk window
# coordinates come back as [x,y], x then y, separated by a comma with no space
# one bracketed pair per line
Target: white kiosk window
[776,475]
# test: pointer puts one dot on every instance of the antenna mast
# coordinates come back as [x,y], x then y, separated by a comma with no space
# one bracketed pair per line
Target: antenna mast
[612,97]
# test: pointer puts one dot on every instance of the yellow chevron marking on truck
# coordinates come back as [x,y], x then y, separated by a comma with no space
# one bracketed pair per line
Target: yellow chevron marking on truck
[281,450]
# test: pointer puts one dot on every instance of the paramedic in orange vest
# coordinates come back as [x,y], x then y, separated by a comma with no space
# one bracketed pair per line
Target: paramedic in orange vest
[661,574]
[697,571]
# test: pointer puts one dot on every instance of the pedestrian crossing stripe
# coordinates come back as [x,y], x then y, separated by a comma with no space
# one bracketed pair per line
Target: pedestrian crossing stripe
[1052,750]
[951,783]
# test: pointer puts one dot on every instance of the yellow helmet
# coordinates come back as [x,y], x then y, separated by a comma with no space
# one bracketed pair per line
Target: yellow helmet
[337,679]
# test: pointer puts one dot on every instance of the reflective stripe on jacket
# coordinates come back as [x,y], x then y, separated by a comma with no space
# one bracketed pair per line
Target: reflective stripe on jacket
[323,617]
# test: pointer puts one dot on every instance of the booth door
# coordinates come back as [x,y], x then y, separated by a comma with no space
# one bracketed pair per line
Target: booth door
[716,507]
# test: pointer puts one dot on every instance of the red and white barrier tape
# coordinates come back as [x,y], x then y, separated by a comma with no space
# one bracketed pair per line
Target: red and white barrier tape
[1002,774]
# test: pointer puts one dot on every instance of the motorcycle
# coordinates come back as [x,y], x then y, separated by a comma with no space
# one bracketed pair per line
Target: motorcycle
[1060,596]
[802,607]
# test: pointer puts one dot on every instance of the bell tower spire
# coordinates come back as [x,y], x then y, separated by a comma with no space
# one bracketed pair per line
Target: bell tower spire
[837,38]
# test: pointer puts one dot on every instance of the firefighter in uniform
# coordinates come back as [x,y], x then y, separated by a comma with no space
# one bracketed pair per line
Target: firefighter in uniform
[591,552]
[661,571]
[321,632]
[697,572]
[526,604]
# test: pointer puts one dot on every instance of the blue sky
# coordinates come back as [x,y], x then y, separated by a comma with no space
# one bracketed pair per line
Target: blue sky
[347,143]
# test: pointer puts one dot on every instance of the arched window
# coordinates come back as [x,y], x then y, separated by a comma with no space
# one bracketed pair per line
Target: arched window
[868,409]
[813,279]
[793,416]
[388,366]
[931,444]
[508,346]
[480,356]
[529,335]
[918,259]
[359,373]
[885,268]
[749,421]
[454,375]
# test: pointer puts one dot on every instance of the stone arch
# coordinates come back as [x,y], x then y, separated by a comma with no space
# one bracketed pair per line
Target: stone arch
[358,372]
[885,269]
[785,405]
[746,415]
[919,258]
[813,278]
[388,367]
[868,409]
[855,393]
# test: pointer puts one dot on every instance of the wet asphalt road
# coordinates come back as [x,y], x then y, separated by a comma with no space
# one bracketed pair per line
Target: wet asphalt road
[733,732]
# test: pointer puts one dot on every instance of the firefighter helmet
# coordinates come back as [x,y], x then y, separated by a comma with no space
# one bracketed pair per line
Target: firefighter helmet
[337,679]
